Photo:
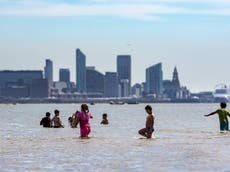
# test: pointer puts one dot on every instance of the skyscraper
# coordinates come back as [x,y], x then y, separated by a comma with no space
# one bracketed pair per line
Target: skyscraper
[154,80]
[111,84]
[80,71]
[124,70]
[48,70]
[94,81]
[64,75]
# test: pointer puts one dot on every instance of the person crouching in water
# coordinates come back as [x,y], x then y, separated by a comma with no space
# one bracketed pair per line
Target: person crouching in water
[149,126]
[46,121]
[83,118]
[223,116]
[57,123]
[105,120]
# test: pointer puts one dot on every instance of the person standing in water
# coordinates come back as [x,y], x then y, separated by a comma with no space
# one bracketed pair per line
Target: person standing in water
[83,118]
[223,119]
[57,123]
[46,121]
[105,120]
[149,126]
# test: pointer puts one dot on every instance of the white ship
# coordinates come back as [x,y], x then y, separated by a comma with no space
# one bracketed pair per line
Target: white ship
[222,93]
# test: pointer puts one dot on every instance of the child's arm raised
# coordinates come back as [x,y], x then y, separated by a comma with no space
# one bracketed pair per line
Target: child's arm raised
[213,113]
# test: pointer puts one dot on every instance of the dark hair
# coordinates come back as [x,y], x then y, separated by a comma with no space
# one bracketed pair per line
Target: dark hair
[223,105]
[85,108]
[47,114]
[104,115]
[148,107]
[70,119]
[56,112]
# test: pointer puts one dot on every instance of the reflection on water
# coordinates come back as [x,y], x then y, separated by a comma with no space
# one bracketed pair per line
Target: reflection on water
[185,140]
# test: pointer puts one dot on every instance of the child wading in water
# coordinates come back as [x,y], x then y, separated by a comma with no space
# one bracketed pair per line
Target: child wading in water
[149,126]
[83,118]
[222,113]
[105,120]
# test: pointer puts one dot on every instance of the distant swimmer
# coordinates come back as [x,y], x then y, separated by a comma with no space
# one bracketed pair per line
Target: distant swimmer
[223,119]
[105,120]
[57,123]
[83,118]
[149,126]
[46,121]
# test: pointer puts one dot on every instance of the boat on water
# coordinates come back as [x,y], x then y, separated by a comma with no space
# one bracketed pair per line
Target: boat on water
[116,103]
[132,102]
[222,93]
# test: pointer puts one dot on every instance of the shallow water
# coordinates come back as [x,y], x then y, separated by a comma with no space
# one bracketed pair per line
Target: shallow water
[185,140]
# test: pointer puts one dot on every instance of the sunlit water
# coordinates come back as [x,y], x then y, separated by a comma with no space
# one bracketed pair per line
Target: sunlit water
[185,140]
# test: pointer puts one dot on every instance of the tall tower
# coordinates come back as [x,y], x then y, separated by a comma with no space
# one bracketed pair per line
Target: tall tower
[124,71]
[64,75]
[175,79]
[48,70]
[154,80]
[80,71]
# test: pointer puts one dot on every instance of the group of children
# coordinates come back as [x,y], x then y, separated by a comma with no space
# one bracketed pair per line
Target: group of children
[82,117]
[55,122]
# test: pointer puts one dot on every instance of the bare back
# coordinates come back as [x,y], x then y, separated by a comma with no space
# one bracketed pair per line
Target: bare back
[150,121]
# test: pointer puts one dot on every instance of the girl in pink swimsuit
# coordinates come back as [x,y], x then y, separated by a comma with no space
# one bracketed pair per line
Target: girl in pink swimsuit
[83,118]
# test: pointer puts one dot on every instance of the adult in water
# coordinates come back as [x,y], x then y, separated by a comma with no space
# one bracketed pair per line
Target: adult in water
[83,118]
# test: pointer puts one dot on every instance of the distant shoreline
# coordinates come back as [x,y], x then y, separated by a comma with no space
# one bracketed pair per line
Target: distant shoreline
[112,101]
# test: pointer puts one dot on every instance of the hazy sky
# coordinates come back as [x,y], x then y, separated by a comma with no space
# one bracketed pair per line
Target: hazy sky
[193,35]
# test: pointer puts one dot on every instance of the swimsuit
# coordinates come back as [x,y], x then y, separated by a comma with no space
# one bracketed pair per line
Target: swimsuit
[85,128]
[223,119]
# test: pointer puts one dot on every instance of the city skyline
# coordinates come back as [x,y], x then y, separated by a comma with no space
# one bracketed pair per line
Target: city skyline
[191,35]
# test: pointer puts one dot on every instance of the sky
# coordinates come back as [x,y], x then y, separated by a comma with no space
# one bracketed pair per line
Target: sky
[192,35]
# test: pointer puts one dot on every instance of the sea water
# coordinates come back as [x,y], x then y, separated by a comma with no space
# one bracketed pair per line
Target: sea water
[184,140]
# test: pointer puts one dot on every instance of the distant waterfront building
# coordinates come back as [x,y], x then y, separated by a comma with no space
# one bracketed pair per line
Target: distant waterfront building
[124,71]
[137,90]
[64,75]
[22,77]
[154,80]
[175,80]
[80,71]
[124,88]
[94,81]
[39,88]
[111,84]
[48,71]
[173,89]
[18,83]
[60,87]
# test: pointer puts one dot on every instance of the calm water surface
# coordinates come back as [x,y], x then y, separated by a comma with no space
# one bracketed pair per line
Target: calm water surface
[185,140]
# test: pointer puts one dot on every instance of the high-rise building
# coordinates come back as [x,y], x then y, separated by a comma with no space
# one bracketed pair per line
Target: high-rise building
[48,70]
[154,80]
[124,70]
[124,88]
[39,88]
[80,71]
[111,84]
[64,75]
[94,81]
